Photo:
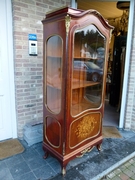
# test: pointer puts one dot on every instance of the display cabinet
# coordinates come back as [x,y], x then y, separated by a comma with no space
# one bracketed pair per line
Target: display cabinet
[75,46]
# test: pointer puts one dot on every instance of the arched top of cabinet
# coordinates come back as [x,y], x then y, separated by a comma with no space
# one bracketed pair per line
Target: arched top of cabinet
[74,13]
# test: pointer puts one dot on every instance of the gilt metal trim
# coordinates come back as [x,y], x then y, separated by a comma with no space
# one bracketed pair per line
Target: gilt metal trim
[85,151]
[110,35]
[67,23]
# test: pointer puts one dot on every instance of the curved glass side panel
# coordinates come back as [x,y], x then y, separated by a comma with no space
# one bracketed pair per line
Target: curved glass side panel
[53,73]
[88,65]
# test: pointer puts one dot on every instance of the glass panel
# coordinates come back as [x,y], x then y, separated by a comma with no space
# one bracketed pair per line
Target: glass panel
[88,63]
[53,73]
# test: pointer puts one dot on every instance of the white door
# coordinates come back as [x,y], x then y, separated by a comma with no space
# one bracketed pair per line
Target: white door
[7,101]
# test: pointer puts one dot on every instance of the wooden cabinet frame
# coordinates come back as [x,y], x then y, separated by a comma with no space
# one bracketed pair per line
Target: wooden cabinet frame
[74,94]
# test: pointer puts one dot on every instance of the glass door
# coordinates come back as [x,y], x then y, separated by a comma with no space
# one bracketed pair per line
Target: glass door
[54,53]
[88,64]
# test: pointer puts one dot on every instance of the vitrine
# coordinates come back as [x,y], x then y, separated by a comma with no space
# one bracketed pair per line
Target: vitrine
[75,45]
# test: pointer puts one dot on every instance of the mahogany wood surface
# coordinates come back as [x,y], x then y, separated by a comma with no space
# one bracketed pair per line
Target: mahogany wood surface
[72,125]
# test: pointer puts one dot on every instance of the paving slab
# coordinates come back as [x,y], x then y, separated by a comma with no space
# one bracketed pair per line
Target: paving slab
[94,165]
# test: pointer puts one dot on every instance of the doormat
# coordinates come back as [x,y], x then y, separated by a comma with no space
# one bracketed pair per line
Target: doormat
[9,148]
[110,132]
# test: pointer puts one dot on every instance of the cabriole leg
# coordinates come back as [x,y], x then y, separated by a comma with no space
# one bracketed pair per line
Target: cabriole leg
[45,155]
[99,147]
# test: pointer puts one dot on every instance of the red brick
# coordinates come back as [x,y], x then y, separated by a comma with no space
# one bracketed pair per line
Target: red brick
[22,86]
[18,65]
[30,82]
[23,102]
[18,56]
[23,110]
[16,18]
[42,4]
[18,73]
[36,77]
[36,69]
[29,65]
[17,8]
[30,97]
[18,47]
[20,4]
[30,113]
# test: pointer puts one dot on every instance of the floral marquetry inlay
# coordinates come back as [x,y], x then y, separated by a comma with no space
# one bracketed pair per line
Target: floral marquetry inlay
[85,127]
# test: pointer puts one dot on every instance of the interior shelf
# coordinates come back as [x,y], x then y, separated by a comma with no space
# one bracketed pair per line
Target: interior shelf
[76,85]
[82,84]
[79,57]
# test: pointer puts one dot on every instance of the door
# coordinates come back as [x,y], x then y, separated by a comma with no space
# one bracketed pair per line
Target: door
[7,108]
[116,80]
[128,47]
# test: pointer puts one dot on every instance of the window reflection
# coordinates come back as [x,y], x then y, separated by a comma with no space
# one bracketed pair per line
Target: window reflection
[88,64]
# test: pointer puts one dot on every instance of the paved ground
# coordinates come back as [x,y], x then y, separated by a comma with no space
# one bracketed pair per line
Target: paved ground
[108,164]
[124,172]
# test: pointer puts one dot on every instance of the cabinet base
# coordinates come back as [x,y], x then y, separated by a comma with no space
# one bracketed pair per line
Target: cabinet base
[64,159]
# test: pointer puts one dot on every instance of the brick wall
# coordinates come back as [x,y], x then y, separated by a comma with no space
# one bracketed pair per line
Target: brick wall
[130,105]
[27,16]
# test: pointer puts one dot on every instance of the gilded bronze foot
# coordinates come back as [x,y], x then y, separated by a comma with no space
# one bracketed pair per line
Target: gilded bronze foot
[99,147]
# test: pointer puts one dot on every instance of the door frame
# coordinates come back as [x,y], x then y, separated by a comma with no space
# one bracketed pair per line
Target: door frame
[127,58]
[127,63]
[11,66]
